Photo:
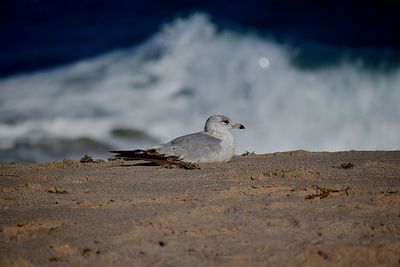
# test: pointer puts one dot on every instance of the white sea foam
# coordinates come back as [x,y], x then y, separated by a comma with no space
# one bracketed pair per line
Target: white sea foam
[189,70]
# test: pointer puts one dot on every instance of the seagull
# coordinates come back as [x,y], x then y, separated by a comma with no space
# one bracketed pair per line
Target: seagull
[214,144]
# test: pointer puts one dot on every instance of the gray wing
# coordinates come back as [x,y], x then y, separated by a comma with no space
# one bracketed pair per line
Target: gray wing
[191,146]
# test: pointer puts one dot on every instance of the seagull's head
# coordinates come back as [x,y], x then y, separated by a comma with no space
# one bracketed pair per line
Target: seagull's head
[220,123]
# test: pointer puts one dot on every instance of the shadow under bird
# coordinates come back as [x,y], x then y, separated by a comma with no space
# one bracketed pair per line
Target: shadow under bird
[214,144]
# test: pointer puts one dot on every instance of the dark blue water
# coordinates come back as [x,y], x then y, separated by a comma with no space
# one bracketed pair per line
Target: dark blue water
[38,34]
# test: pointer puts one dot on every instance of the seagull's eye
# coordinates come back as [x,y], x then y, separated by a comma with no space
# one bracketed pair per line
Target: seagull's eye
[225,121]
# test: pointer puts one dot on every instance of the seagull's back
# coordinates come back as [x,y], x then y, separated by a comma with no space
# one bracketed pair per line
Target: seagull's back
[201,147]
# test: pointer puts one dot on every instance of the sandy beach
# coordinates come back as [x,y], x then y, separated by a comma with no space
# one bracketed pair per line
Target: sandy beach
[294,208]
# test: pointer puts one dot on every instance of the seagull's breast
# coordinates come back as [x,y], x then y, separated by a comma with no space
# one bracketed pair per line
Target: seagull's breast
[227,146]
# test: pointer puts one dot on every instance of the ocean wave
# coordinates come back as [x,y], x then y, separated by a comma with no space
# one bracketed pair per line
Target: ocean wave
[189,70]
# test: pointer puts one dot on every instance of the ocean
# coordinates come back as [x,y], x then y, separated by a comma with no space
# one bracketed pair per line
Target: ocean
[290,94]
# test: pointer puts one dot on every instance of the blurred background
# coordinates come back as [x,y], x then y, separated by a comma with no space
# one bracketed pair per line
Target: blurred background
[84,77]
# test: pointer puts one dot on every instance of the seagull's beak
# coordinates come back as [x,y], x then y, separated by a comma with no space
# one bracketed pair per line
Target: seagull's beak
[238,126]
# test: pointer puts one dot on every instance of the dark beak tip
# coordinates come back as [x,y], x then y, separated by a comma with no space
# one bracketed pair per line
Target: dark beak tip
[242,127]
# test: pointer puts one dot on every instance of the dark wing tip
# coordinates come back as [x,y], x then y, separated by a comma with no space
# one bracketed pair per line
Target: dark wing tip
[127,154]
[147,155]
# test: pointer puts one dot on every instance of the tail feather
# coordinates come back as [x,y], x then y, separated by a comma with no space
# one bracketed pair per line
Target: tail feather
[147,155]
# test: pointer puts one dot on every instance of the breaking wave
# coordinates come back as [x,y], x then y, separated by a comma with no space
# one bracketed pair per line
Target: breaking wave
[187,71]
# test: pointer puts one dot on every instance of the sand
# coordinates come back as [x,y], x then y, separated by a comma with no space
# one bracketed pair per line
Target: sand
[283,209]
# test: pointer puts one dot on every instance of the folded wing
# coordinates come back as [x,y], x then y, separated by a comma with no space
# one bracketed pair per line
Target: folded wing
[147,155]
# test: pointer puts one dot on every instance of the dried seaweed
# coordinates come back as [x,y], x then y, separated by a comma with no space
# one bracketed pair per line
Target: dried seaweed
[325,192]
